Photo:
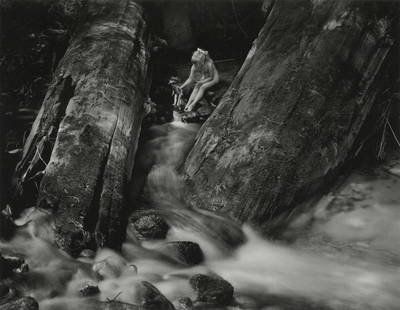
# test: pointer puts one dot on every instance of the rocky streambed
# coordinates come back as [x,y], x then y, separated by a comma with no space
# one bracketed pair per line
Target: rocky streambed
[30,265]
[340,254]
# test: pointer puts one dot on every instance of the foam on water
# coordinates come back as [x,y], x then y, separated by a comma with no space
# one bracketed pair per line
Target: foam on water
[258,269]
[262,267]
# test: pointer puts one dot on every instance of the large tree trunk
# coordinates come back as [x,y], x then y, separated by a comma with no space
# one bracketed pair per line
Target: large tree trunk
[81,148]
[295,109]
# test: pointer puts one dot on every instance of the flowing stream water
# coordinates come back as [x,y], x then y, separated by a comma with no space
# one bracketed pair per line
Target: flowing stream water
[343,257]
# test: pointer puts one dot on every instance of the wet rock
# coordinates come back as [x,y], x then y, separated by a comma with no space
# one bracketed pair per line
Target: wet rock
[184,303]
[10,264]
[23,268]
[89,289]
[5,268]
[151,227]
[133,268]
[212,289]
[152,299]
[200,114]
[206,106]
[109,264]
[106,269]
[7,227]
[87,253]
[184,252]
[14,261]
[24,303]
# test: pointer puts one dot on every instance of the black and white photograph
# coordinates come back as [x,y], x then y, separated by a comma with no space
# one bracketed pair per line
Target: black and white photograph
[199,154]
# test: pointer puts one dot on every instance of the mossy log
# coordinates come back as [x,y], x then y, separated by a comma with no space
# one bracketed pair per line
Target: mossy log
[294,112]
[80,151]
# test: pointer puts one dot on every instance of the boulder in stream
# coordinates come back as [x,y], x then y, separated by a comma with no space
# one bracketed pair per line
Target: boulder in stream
[200,114]
[89,289]
[5,268]
[152,299]
[7,227]
[87,253]
[10,264]
[23,303]
[14,261]
[212,289]
[151,227]
[184,303]
[184,252]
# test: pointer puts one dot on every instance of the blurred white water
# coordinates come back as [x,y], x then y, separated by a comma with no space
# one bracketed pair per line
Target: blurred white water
[261,267]
[345,254]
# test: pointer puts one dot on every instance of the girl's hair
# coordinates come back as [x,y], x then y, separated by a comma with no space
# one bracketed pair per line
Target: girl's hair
[203,62]
[206,56]
[204,52]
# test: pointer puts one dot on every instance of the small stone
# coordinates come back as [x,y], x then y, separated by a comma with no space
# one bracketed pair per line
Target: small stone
[14,261]
[151,298]
[212,289]
[133,268]
[7,227]
[89,290]
[184,252]
[151,227]
[87,253]
[184,303]
[23,268]
[106,270]
[23,303]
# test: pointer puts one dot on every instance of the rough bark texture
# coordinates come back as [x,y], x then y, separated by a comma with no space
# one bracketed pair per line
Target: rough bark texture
[293,113]
[82,144]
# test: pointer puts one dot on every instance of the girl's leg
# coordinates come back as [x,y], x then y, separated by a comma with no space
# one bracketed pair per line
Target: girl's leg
[192,96]
[199,95]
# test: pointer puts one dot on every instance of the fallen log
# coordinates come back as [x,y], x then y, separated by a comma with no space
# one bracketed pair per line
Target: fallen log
[80,151]
[294,112]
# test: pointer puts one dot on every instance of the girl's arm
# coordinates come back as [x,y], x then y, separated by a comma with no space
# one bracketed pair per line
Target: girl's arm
[214,76]
[189,79]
